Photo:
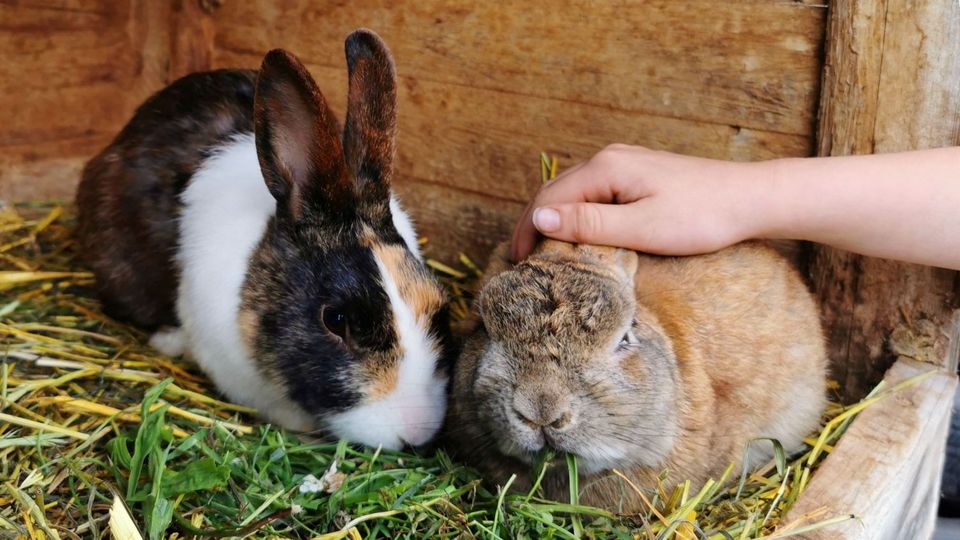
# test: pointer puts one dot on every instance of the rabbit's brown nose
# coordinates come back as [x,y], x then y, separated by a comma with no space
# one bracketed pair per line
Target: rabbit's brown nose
[544,410]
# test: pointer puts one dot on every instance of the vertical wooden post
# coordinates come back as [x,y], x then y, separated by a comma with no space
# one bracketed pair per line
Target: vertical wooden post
[191,40]
[891,82]
[173,39]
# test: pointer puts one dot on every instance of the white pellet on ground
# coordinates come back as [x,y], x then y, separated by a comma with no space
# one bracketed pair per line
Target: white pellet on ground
[329,482]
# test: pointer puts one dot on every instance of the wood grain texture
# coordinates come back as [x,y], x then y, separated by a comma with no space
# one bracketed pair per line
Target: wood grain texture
[851,77]
[454,221]
[886,468]
[484,89]
[64,65]
[459,136]
[891,83]
[747,63]
[73,73]
[191,36]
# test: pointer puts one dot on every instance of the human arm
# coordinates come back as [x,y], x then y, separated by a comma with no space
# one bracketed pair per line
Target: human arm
[902,206]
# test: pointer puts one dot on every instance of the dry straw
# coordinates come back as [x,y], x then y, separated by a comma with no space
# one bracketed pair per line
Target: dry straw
[92,419]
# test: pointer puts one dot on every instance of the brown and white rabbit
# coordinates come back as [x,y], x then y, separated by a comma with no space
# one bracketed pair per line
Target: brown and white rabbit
[638,363]
[232,215]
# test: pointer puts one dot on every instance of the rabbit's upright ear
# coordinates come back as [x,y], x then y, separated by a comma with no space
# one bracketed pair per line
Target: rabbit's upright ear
[298,140]
[370,131]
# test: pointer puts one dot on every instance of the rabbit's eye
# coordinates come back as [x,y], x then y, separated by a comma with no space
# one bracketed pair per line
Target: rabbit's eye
[335,321]
[627,340]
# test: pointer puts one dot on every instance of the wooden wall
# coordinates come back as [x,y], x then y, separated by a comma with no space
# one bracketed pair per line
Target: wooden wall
[70,76]
[483,88]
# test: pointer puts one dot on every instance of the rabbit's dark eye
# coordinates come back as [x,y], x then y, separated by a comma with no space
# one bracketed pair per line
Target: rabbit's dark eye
[629,339]
[335,321]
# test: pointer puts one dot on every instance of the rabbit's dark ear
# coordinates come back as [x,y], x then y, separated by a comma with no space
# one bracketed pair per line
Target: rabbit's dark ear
[369,136]
[298,139]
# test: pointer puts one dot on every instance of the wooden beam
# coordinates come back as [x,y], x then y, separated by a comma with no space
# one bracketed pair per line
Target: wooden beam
[891,82]
[886,468]
[750,63]
[953,353]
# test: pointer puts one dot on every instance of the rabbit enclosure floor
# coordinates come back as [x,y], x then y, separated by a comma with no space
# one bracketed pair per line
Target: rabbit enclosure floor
[91,418]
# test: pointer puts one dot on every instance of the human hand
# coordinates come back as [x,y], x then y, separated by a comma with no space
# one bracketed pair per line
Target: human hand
[646,200]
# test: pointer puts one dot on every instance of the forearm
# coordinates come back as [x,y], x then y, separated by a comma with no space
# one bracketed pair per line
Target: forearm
[902,206]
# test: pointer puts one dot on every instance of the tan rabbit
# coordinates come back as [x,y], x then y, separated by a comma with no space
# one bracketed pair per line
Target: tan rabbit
[636,362]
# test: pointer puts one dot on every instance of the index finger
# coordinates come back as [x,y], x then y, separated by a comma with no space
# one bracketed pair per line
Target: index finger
[585,182]
[525,235]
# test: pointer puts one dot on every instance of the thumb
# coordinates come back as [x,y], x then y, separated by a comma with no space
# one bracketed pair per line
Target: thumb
[589,223]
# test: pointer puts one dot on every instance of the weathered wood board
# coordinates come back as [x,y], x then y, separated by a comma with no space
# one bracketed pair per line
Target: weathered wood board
[71,74]
[886,468]
[890,84]
[748,63]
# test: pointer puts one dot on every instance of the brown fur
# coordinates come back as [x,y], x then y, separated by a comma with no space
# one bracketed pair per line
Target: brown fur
[127,201]
[298,139]
[724,348]
[422,295]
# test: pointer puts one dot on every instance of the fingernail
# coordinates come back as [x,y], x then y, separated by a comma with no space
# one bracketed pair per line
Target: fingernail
[546,219]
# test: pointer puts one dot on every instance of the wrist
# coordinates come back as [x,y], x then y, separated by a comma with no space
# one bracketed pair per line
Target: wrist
[754,210]
[772,199]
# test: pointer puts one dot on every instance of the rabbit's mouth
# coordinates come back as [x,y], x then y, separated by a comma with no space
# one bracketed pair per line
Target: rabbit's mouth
[592,456]
[590,460]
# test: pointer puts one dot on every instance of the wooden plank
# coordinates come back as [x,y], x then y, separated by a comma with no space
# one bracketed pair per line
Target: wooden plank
[64,68]
[72,74]
[886,468]
[753,64]
[46,179]
[454,221]
[953,351]
[919,100]
[191,37]
[459,136]
[851,77]
[885,89]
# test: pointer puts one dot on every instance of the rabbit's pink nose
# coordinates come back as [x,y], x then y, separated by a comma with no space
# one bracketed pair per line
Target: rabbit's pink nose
[416,426]
[546,410]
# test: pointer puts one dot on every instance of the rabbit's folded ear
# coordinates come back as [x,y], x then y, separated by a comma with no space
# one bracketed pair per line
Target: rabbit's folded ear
[298,140]
[622,261]
[369,136]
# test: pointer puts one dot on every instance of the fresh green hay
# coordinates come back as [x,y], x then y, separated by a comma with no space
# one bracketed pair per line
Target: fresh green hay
[92,419]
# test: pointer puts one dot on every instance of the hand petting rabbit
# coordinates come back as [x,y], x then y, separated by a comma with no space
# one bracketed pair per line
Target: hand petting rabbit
[637,363]
[233,216]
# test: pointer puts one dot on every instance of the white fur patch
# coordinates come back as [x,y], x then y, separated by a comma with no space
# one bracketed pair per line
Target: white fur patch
[404,225]
[226,207]
[169,341]
[413,412]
